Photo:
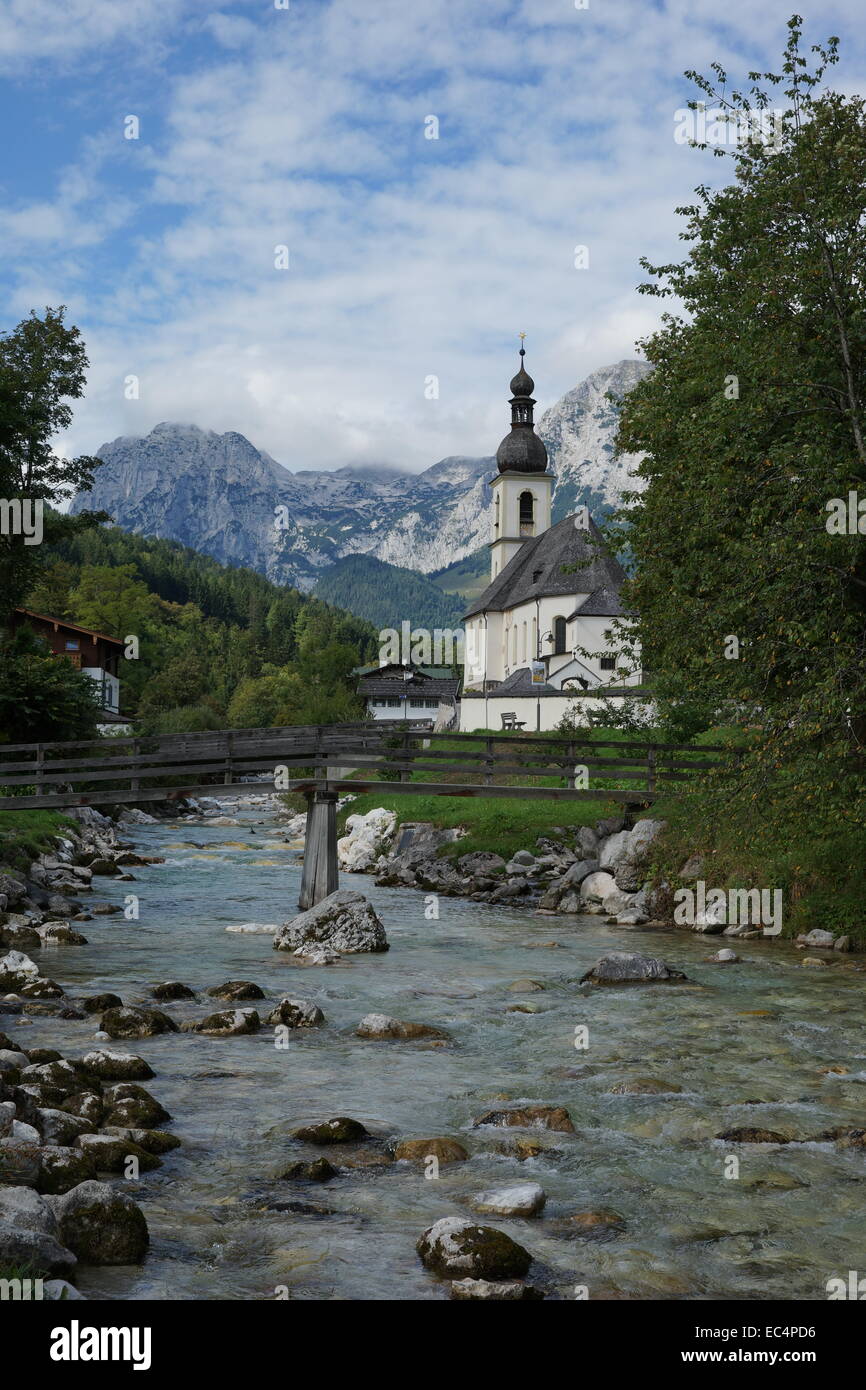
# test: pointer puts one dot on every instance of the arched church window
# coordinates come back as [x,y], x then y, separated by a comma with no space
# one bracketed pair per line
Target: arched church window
[559,631]
[496,514]
[526,504]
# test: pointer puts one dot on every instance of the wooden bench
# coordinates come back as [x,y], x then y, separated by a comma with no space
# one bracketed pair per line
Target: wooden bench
[510,721]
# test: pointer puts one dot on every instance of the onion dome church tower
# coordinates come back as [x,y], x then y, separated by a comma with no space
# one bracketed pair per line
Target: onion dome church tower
[522,489]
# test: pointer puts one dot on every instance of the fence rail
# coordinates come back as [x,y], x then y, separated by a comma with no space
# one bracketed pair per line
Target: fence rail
[172,766]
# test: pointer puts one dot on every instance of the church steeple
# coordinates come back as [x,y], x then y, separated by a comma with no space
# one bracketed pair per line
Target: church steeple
[522,451]
[522,487]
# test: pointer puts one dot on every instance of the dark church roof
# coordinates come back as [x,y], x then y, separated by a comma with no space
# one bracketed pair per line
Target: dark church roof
[602,603]
[538,570]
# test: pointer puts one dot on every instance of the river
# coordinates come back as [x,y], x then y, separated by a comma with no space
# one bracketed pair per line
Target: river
[744,1043]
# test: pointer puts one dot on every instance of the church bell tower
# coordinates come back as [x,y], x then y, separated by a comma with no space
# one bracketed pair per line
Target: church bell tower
[522,488]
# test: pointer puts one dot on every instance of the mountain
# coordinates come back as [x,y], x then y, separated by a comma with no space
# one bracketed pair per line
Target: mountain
[386,595]
[219,494]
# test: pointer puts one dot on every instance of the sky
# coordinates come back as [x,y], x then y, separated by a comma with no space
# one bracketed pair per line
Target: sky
[386,330]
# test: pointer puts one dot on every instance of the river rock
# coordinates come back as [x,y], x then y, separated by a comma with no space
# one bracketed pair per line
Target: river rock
[60,1290]
[60,934]
[136,1023]
[645,1086]
[554,1117]
[111,1154]
[20,936]
[101,1225]
[523,1199]
[593,1220]
[16,970]
[98,1003]
[442,1148]
[236,989]
[87,1105]
[62,1168]
[724,957]
[576,873]
[344,921]
[629,967]
[20,1163]
[41,989]
[319,1170]
[367,837]
[229,1023]
[481,864]
[61,1075]
[597,886]
[751,1135]
[26,1209]
[174,989]
[33,1251]
[58,1127]
[116,1066]
[382,1027]
[130,1104]
[487,1290]
[817,937]
[153,1141]
[314,954]
[455,1246]
[297,1013]
[340,1130]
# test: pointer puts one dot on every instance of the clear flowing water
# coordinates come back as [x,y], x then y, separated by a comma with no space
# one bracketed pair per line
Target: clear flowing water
[745,1044]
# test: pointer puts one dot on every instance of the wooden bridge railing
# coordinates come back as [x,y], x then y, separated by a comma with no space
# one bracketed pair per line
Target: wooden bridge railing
[308,758]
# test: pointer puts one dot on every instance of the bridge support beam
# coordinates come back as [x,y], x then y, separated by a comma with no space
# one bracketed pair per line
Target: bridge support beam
[319,877]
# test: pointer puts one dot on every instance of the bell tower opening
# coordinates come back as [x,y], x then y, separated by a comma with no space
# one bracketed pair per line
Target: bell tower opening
[526,503]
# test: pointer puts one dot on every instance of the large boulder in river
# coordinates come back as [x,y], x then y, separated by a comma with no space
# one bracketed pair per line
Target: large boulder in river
[344,922]
[457,1247]
[629,967]
[367,837]
[136,1023]
[101,1225]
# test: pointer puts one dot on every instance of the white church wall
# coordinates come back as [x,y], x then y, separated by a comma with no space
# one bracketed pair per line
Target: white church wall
[538,713]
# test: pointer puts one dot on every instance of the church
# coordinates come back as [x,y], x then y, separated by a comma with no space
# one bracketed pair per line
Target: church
[538,641]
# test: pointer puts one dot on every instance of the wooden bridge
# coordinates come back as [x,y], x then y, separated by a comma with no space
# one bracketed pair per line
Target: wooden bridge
[326,761]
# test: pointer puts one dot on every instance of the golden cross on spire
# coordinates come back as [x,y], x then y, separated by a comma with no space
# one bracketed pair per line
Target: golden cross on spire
[521,336]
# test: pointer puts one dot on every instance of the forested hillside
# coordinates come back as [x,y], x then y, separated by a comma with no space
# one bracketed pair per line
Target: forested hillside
[216,645]
[387,595]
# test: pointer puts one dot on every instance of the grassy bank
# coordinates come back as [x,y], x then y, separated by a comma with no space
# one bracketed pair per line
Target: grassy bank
[25,834]
[499,824]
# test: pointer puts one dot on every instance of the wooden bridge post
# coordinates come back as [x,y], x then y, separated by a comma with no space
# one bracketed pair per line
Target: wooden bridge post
[320,876]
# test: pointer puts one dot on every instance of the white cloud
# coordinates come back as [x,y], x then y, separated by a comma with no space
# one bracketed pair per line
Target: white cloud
[408,257]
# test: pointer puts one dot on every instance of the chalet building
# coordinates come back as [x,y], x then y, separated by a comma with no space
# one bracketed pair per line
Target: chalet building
[94,653]
[539,637]
[419,693]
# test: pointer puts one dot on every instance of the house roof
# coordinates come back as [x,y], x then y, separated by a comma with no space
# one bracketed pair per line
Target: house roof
[72,627]
[389,689]
[538,570]
[374,669]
